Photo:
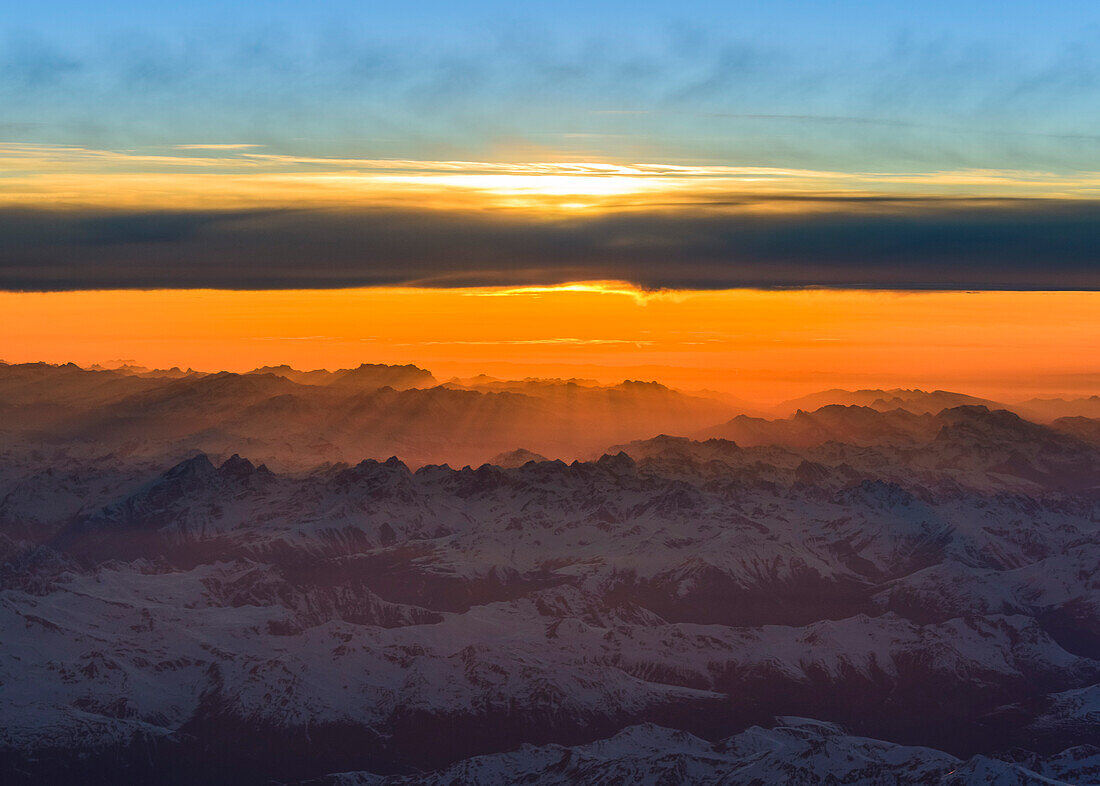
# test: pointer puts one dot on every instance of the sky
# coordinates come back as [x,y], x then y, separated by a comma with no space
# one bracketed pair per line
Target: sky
[885,86]
[686,147]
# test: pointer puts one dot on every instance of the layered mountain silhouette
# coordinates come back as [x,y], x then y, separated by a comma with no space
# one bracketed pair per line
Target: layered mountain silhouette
[291,418]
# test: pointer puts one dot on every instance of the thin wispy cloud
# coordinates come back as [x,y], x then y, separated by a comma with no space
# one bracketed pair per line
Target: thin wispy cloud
[536,342]
[216,147]
[234,177]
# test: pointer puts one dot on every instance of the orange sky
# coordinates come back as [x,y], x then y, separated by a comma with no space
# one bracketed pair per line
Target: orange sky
[763,346]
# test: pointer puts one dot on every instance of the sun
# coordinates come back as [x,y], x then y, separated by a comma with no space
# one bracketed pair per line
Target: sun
[537,185]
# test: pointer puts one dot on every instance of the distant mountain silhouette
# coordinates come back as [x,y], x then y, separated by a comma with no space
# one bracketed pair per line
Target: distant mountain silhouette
[366,376]
[913,400]
[1047,409]
[516,458]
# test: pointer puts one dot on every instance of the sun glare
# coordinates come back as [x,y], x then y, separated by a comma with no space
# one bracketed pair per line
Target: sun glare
[624,288]
[535,185]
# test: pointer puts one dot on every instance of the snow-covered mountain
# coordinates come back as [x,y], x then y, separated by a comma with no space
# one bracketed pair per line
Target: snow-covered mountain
[914,599]
[793,750]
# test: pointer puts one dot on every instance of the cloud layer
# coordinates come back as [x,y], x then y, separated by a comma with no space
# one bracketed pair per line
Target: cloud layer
[894,243]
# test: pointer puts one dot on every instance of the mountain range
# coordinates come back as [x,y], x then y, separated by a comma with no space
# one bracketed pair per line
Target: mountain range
[851,594]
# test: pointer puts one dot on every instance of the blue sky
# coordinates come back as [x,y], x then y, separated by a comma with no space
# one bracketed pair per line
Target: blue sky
[852,86]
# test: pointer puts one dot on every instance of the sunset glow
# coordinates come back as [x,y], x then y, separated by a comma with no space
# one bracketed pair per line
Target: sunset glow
[243,175]
[759,345]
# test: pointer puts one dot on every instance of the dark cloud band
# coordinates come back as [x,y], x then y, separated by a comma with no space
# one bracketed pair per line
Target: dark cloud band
[855,243]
